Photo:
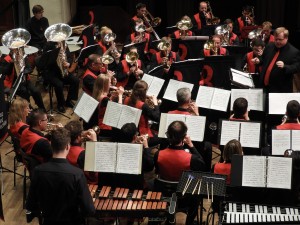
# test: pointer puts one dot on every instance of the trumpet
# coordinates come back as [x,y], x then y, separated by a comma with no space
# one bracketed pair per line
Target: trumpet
[52,126]
[85,133]
[132,59]
[150,102]
[210,45]
[165,47]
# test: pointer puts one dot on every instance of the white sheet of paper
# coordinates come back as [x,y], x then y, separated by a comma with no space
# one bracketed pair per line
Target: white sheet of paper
[254,171]
[129,115]
[296,140]
[196,127]
[172,88]
[230,131]
[105,156]
[85,107]
[250,134]
[242,78]
[112,114]
[279,172]
[281,141]
[253,96]
[278,102]
[204,97]
[155,86]
[220,99]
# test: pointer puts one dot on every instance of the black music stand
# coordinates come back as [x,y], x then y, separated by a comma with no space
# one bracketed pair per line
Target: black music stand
[238,52]
[87,36]
[48,59]
[86,51]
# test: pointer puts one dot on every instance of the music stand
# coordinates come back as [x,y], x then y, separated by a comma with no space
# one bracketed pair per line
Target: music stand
[86,51]
[87,36]
[48,59]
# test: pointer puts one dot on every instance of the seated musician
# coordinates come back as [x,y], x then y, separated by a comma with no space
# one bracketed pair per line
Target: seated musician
[101,93]
[231,148]
[58,192]
[215,49]
[240,109]
[233,38]
[137,100]
[247,19]
[291,121]
[184,26]
[76,154]
[54,76]
[130,70]
[26,88]
[266,35]
[201,18]
[33,141]
[165,56]
[18,112]
[250,59]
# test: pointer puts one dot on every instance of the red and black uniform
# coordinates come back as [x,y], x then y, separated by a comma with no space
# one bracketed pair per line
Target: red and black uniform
[146,39]
[33,142]
[234,39]
[147,113]
[157,58]
[209,52]
[252,68]
[224,169]
[289,125]
[199,21]
[88,80]
[101,111]
[270,39]
[18,128]
[125,80]
[177,35]
[180,111]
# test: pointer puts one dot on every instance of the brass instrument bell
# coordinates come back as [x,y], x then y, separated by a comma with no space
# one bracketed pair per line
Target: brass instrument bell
[107,59]
[154,22]
[184,24]
[16,38]
[58,32]
[110,37]
[163,45]
[132,57]
[140,28]
[255,33]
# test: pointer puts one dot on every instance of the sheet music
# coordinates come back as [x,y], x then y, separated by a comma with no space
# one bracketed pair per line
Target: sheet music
[129,158]
[204,97]
[295,140]
[112,114]
[253,96]
[196,127]
[250,134]
[105,156]
[129,115]
[220,99]
[148,79]
[85,107]
[278,102]
[154,86]
[230,130]
[242,78]
[279,172]
[172,88]
[280,141]
[254,171]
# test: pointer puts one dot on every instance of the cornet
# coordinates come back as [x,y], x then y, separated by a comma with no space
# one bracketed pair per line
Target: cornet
[85,133]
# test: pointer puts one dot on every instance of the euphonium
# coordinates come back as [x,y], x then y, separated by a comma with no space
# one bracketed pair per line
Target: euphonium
[59,33]
[165,47]
[140,29]
[15,40]
[109,38]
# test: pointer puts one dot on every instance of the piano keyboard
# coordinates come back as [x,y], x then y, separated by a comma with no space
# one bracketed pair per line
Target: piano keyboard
[236,213]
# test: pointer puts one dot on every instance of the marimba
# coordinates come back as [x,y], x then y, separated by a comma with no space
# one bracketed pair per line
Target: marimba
[121,202]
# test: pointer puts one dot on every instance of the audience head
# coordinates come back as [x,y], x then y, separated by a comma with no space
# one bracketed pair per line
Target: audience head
[75,129]
[176,132]
[38,11]
[38,119]
[139,91]
[292,109]
[233,147]
[18,111]
[128,133]
[101,86]
[240,108]
[281,35]
[183,96]
[60,140]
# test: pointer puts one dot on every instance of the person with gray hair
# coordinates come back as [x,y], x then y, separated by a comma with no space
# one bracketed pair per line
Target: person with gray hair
[185,104]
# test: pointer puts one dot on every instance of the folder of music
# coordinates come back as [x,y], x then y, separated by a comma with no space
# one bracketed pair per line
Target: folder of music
[85,106]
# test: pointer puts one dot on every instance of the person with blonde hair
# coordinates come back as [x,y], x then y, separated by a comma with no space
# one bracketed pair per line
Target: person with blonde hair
[267,37]
[18,111]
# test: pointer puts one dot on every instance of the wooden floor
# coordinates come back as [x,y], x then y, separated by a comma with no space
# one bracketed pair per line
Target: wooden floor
[12,198]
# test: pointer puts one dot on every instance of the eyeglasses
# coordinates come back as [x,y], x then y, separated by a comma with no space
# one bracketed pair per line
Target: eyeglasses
[45,119]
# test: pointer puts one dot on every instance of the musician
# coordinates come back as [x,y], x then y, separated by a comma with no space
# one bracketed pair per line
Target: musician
[233,38]
[53,75]
[36,26]
[67,199]
[26,87]
[233,147]
[216,49]
[184,26]
[33,141]
[247,19]
[18,112]
[130,70]
[101,93]
[267,37]
[291,121]
[240,109]
[141,10]
[280,61]
[76,154]
[165,56]
[200,19]
[250,61]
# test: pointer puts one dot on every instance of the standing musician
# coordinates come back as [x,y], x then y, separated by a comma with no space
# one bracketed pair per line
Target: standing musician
[233,38]
[130,69]
[266,35]
[165,56]
[247,19]
[184,26]
[250,61]
[215,48]
[201,18]
[141,11]
[52,74]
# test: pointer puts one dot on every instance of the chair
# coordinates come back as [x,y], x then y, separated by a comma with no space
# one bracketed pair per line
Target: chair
[166,187]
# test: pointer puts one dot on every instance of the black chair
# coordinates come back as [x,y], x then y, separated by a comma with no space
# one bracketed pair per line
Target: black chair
[167,188]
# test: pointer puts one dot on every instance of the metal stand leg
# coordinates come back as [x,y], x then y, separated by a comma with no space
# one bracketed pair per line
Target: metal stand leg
[51,110]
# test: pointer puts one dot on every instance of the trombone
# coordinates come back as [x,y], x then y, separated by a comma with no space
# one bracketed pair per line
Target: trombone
[152,22]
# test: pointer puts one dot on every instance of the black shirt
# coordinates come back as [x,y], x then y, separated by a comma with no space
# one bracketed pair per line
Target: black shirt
[37,29]
[59,190]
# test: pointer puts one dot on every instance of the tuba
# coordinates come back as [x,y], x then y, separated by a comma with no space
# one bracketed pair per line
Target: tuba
[15,40]
[59,33]
[223,31]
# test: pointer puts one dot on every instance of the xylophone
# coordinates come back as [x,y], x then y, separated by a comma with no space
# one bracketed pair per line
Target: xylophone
[121,202]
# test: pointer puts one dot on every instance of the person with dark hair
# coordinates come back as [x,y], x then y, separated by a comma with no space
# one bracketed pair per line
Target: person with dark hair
[33,141]
[247,19]
[240,109]
[233,147]
[250,62]
[233,38]
[291,121]
[36,26]
[76,154]
[58,192]
[141,11]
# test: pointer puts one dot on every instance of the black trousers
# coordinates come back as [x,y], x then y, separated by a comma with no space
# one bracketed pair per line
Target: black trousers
[27,89]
